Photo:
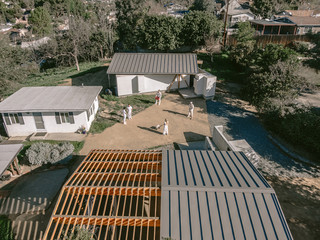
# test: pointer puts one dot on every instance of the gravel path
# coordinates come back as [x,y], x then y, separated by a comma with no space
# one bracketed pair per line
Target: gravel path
[242,124]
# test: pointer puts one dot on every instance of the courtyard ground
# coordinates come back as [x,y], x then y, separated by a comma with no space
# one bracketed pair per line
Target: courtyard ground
[140,132]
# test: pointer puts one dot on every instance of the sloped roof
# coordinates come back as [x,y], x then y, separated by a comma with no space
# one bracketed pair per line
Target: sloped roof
[301,21]
[153,63]
[217,195]
[50,99]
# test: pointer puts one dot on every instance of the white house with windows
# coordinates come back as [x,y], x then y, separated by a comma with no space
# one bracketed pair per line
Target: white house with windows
[61,109]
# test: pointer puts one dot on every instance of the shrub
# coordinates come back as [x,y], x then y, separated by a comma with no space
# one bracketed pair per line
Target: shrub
[299,126]
[5,228]
[80,234]
[41,153]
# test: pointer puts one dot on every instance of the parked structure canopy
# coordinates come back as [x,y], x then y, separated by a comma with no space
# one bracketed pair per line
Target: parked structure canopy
[50,99]
[154,63]
[8,154]
[118,194]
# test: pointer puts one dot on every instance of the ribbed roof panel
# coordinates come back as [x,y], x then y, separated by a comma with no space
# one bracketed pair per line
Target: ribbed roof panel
[153,63]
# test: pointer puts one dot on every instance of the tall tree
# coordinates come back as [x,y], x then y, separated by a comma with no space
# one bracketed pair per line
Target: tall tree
[245,44]
[161,33]
[129,16]
[40,20]
[198,26]
[264,8]
[204,5]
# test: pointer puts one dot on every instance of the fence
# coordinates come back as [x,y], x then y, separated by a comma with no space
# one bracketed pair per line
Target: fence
[263,40]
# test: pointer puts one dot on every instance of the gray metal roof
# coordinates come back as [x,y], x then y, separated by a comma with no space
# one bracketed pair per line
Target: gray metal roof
[217,195]
[271,23]
[50,99]
[7,153]
[153,63]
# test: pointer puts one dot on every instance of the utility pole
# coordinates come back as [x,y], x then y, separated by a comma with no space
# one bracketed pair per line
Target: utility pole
[225,25]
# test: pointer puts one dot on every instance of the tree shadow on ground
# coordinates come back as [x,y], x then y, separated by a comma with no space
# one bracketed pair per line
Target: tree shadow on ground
[197,102]
[96,76]
[241,124]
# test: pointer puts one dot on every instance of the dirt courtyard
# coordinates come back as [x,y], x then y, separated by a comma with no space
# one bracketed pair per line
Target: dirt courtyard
[140,132]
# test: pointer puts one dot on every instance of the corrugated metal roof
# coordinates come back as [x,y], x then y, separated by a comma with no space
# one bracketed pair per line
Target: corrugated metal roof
[49,99]
[7,153]
[217,195]
[153,63]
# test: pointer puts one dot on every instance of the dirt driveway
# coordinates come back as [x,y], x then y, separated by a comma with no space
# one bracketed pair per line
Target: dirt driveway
[139,133]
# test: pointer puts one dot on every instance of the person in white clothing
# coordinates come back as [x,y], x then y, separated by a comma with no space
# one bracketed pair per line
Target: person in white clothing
[124,115]
[191,108]
[166,127]
[129,108]
[158,97]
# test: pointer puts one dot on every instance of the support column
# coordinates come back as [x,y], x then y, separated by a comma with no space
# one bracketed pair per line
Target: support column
[16,164]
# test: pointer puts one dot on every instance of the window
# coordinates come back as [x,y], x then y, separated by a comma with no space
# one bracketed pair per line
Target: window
[64,117]
[13,118]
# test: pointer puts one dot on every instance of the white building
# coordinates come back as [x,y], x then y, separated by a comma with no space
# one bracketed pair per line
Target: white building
[131,73]
[236,13]
[59,109]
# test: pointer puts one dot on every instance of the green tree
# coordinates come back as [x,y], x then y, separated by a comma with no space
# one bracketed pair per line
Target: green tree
[40,20]
[198,26]
[129,15]
[272,53]
[264,8]
[245,44]
[160,33]
[278,85]
[14,66]
[203,5]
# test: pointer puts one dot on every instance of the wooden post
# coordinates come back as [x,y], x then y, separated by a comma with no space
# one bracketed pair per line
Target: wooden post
[16,164]
[185,81]
[179,79]
[264,27]
[175,76]
[279,29]
[12,169]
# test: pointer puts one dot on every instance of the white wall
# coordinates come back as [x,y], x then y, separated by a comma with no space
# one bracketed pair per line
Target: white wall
[205,84]
[51,126]
[129,84]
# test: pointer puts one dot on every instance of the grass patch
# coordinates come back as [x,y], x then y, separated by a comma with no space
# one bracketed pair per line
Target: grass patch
[55,76]
[113,105]
[100,124]
[5,228]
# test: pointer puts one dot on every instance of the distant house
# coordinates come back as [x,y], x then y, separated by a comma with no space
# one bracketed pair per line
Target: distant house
[305,20]
[264,27]
[236,13]
[131,73]
[60,109]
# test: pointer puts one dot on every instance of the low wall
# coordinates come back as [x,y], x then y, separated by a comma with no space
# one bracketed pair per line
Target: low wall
[220,140]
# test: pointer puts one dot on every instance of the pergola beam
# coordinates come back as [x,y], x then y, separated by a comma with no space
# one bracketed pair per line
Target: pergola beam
[118,191]
[118,176]
[107,221]
[109,165]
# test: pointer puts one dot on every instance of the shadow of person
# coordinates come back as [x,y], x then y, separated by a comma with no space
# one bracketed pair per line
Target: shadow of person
[169,111]
[151,129]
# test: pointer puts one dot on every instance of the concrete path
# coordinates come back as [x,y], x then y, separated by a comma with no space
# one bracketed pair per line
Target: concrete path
[140,132]
[29,201]
[242,124]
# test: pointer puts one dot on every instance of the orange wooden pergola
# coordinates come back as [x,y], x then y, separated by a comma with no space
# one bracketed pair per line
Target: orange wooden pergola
[114,194]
